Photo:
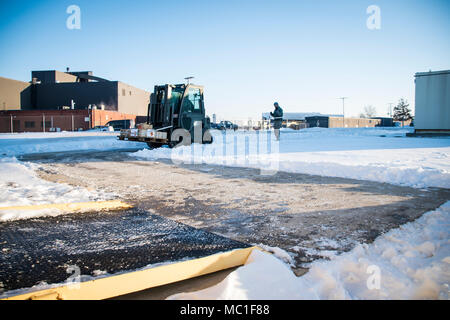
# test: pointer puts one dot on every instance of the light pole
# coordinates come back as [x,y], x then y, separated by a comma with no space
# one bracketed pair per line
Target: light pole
[390,109]
[343,110]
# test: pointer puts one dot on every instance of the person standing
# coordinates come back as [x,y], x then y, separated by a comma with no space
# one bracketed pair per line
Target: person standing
[277,115]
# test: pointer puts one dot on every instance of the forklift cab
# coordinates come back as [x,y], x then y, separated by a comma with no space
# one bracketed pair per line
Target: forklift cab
[177,106]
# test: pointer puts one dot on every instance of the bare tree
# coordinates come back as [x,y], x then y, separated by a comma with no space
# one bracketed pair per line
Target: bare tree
[369,112]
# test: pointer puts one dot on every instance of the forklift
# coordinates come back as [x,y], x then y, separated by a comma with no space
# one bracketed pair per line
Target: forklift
[175,117]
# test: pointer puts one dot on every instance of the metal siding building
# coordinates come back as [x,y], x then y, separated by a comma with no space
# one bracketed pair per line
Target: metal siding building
[51,96]
[432,111]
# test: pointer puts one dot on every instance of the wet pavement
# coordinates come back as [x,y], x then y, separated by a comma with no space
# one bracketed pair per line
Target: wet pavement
[310,217]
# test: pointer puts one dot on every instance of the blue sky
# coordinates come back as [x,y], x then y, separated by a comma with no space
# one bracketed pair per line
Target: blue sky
[247,54]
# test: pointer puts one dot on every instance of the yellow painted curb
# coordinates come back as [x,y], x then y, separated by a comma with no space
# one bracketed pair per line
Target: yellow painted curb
[74,207]
[118,285]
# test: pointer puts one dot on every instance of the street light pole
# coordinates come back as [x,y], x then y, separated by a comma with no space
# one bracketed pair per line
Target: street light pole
[343,110]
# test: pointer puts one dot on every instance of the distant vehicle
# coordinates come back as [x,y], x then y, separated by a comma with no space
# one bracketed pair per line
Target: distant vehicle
[227,125]
[121,124]
[102,128]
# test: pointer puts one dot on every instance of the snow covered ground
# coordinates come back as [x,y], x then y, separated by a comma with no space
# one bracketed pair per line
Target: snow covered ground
[24,143]
[374,154]
[20,184]
[411,262]
[21,187]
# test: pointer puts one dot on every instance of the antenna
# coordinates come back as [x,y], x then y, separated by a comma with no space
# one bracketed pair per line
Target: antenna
[188,78]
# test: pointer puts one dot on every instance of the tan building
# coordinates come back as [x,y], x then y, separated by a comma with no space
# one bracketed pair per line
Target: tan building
[14,95]
[341,122]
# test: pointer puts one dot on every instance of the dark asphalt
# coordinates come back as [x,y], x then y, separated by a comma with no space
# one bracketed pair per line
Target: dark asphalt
[37,250]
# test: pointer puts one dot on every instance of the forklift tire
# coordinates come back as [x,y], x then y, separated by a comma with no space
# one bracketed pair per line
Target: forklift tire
[153,145]
[209,142]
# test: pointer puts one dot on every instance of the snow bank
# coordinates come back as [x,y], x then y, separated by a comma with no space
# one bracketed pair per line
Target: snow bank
[374,154]
[24,143]
[21,186]
[411,262]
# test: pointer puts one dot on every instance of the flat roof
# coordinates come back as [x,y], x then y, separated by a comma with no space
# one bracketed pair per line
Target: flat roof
[431,73]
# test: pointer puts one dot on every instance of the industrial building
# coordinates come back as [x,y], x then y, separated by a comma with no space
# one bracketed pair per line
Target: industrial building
[296,120]
[51,97]
[301,120]
[432,100]
[341,122]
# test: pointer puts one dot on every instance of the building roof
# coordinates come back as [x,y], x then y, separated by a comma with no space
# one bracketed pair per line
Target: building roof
[431,73]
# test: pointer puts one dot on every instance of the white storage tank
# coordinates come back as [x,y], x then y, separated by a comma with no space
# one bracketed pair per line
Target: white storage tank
[432,114]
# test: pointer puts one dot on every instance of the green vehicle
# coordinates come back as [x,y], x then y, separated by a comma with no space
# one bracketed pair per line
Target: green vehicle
[176,116]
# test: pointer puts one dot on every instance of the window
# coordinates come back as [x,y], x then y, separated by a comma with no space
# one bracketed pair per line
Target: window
[192,101]
[123,92]
[48,124]
[29,124]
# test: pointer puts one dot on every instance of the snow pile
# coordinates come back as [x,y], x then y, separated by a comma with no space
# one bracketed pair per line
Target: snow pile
[374,154]
[24,143]
[411,262]
[21,187]
[279,253]
[262,277]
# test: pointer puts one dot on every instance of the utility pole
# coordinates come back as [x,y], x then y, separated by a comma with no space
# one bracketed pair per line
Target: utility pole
[343,110]
[390,109]
[188,78]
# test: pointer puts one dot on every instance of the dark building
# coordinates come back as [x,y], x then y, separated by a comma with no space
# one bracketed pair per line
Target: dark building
[385,121]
